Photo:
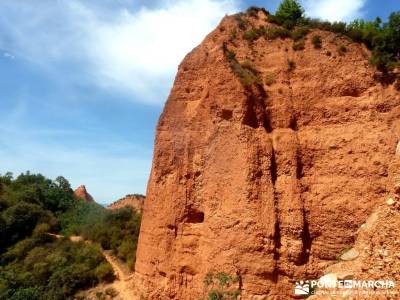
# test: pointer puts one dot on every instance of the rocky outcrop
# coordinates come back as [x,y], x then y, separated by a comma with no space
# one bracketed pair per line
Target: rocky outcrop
[135,201]
[268,181]
[82,193]
[375,256]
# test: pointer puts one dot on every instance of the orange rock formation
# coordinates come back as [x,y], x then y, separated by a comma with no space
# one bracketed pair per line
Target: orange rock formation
[134,201]
[82,193]
[268,181]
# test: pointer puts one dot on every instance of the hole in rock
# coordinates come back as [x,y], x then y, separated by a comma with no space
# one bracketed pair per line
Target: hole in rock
[194,216]
[350,91]
[226,114]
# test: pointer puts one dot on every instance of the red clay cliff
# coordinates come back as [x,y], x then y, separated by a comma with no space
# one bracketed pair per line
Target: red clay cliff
[271,181]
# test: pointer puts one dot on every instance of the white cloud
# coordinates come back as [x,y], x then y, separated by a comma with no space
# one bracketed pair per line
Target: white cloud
[8,55]
[334,10]
[129,52]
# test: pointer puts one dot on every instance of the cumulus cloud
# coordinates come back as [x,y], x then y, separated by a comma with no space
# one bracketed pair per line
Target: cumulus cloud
[129,51]
[334,10]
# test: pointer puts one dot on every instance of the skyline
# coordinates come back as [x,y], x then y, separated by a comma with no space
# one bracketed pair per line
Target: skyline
[83,82]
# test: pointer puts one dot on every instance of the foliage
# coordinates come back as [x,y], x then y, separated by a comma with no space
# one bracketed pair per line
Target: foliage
[299,45]
[383,39]
[246,72]
[291,65]
[276,32]
[80,215]
[51,270]
[33,264]
[288,13]
[251,35]
[270,79]
[316,41]
[233,34]
[300,33]
[111,292]
[252,11]
[241,22]
[222,286]
[29,200]
[116,230]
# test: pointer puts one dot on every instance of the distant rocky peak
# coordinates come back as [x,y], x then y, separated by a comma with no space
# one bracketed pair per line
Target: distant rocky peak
[82,193]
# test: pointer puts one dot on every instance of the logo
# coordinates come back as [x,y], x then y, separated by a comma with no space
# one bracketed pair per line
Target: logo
[348,284]
[330,285]
[302,288]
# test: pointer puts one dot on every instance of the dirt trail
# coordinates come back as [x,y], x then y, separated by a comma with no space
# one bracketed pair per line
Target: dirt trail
[121,284]
[121,271]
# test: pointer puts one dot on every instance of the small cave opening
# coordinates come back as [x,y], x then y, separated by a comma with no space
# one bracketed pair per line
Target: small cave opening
[194,216]
[226,114]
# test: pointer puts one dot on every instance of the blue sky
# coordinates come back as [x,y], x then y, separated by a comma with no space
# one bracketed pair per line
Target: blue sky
[83,81]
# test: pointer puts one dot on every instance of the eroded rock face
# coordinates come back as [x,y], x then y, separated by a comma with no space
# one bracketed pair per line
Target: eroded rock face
[134,201]
[266,182]
[82,193]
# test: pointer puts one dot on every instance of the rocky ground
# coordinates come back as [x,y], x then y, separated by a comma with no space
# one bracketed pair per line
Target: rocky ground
[374,256]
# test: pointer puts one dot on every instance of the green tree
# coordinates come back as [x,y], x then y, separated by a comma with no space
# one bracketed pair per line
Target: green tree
[289,10]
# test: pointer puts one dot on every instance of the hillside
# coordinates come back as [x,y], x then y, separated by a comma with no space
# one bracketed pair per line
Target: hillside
[135,201]
[273,148]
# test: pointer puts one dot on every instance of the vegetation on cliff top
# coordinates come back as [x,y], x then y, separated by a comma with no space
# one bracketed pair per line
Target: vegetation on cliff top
[382,38]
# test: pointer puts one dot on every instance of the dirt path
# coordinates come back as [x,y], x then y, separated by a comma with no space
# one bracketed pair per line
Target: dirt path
[121,271]
[121,284]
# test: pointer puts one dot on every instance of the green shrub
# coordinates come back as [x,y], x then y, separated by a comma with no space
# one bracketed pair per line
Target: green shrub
[382,38]
[338,27]
[299,45]
[104,273]
[215,295]
[251,35]
[208,279]
[242,24]
[246,72]
[276,32]
[111,292]
[291,65]
[300,33]
[25,294]
[316,41]
[56,270]
[222,286]
[233,34]
[252,11]
[289,10]
[269,79]
[100,295]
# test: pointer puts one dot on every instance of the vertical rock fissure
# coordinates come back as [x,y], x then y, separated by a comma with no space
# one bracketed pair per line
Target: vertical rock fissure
[277,229]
